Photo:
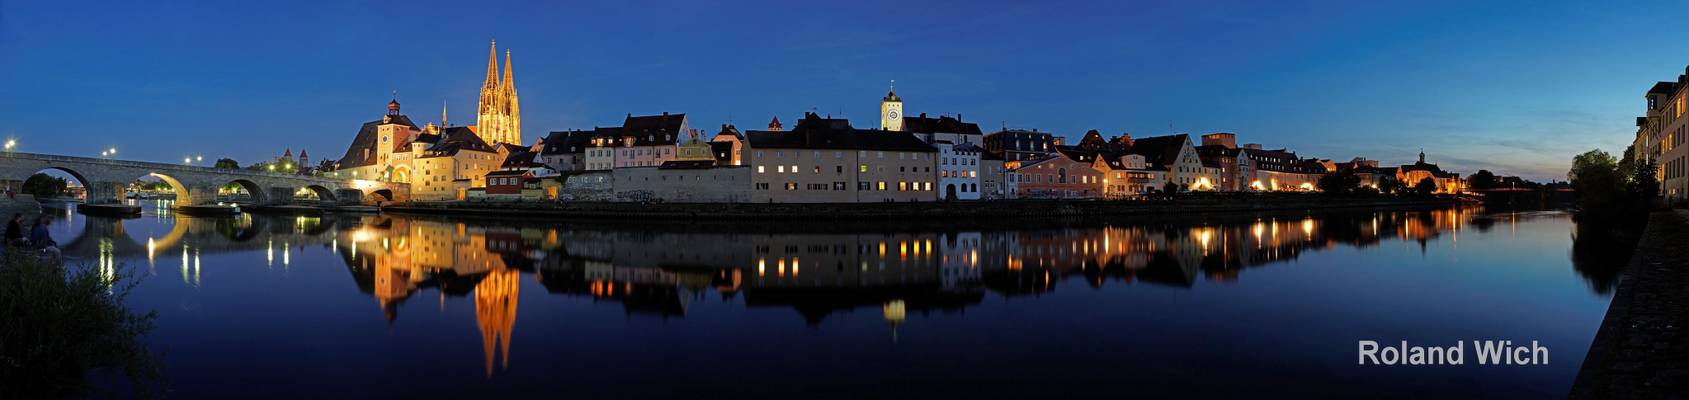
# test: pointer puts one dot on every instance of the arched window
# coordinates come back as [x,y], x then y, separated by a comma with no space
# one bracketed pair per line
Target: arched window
[1061,175]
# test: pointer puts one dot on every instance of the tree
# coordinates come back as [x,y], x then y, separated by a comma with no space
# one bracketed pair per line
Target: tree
[1389,185]
[1483,180]
[1341,182]
[1596,180]
[1170,187]
[1425,186]
[226,163]
[43,185]
[1644,186]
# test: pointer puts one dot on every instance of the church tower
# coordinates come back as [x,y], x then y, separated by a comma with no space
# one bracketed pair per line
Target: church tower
[891,111]
[512,110]
[498,117]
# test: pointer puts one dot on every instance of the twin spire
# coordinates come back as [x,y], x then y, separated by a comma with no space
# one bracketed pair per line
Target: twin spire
[498,116]
[508,82]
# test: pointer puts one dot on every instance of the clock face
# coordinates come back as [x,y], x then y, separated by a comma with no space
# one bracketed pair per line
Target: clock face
[891,114]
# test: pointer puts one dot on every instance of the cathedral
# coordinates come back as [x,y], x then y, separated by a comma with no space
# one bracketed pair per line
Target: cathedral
[499,116]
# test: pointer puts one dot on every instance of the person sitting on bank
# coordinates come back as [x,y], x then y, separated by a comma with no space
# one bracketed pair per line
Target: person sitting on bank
[43,240]
[14,230]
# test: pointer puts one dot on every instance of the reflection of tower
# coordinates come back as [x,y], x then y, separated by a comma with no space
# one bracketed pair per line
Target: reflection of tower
[894,312]
[495,312]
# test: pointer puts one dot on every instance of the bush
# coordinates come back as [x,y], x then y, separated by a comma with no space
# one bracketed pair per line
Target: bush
[63,328]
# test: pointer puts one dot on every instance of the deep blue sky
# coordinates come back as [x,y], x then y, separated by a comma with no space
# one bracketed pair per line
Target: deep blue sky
[1517,88]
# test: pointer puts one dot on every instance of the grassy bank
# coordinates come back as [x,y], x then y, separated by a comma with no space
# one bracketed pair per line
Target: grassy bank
[64,328]
[1190,203]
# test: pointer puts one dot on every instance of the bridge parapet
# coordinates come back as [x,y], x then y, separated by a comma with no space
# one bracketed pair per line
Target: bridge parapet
[106,179]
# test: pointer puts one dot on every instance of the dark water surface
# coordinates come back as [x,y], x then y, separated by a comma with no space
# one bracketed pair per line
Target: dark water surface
[1230,305]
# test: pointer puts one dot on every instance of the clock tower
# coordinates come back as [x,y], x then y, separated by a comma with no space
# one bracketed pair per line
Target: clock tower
[891,111]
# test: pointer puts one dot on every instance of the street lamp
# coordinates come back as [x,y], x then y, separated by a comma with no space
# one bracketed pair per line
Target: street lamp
[11,143]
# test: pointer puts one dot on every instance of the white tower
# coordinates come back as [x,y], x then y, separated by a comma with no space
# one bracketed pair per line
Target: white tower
[891,111]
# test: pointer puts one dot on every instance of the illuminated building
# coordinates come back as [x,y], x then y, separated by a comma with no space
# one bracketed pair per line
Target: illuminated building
[1281,170]
[499,116]
[827,160]
[1056,177]
[1410,175]
[1661,133]
[1177,157]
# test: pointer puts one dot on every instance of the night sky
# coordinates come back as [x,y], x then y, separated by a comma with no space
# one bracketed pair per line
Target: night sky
[1517,88]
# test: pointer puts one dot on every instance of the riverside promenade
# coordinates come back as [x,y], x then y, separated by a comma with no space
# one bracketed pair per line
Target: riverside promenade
[1007,209]
[1642,348]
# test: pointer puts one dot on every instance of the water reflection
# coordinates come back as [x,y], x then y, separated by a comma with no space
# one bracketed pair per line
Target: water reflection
[816,272]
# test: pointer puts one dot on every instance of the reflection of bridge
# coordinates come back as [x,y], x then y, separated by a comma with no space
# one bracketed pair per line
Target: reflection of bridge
[106,179]
[204,235]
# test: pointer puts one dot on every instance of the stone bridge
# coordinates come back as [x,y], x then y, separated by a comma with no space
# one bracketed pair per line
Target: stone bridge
[106,180]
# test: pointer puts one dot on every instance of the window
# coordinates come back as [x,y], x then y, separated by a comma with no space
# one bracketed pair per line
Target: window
[759,169]
[862,168]
[791,186]
[780,169]
[762,186]
[882,186]
[902,186]
[794,168]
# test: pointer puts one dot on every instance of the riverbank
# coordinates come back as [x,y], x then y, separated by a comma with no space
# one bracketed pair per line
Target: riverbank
[926,210]
[1640,350]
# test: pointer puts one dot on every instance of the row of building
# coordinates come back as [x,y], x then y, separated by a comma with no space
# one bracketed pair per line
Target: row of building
[820,159]
[1660,134]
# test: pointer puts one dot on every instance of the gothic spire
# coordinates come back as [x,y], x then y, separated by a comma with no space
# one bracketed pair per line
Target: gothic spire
[509,81]
[492,66]
[442,112]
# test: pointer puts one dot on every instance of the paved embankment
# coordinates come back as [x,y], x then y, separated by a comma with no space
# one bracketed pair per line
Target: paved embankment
[926,210]
[1641,350]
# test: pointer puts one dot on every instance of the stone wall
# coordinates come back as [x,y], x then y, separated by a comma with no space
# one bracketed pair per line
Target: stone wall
[586,186]
[708,185]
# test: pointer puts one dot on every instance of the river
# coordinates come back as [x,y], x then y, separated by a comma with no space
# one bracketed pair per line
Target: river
[1198,306]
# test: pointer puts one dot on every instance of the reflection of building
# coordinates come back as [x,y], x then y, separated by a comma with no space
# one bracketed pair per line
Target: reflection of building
[495,313]
[901,275]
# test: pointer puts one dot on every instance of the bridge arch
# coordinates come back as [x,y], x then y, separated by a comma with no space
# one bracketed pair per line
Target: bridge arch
[182,195]
[324,194]
[87,185]
[381,195]
[258,194]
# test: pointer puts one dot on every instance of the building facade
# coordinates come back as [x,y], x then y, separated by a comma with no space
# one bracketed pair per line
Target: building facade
[1020,144]
[1055,177]
[825,160]
[1661,133]
[1177,157]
